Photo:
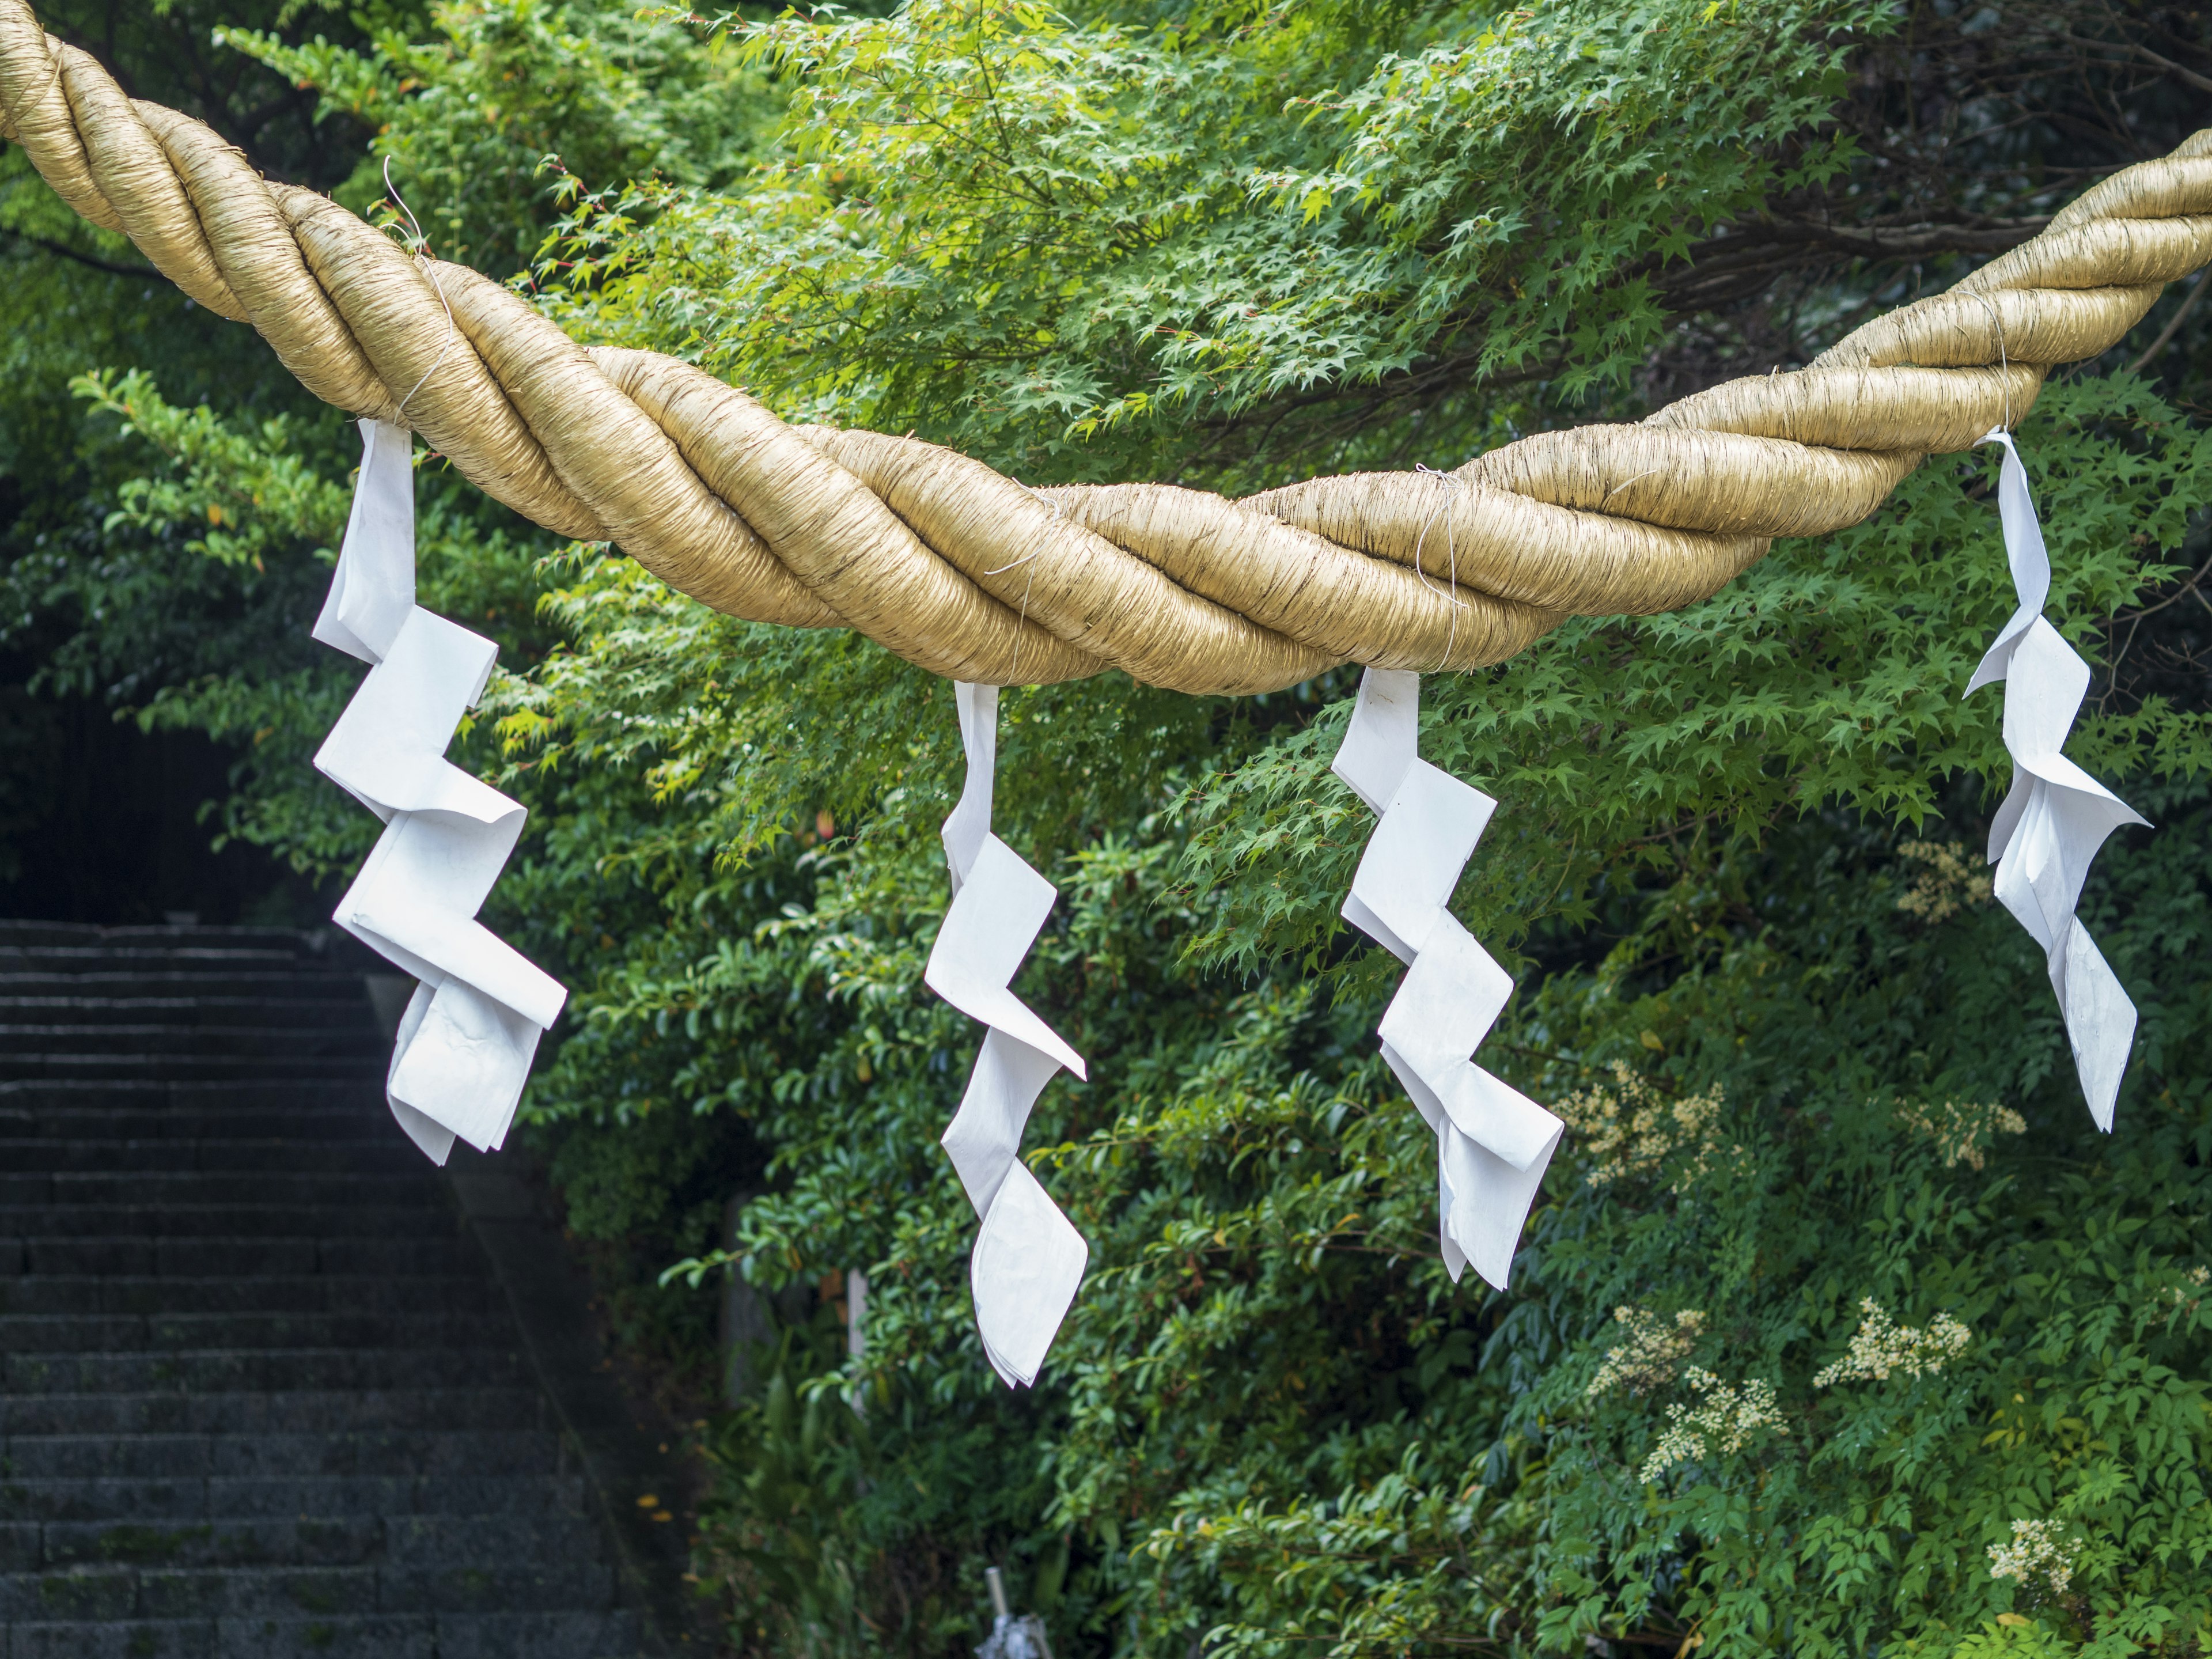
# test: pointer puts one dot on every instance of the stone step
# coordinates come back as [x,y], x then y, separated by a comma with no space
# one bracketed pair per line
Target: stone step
[220,1498]
[79,1190]
[32,1293]
[394,1452]
[148,956]
[340,1007]
[218,1253]
[254,984]
[260,1392]
[29,1333]
[375,1153]
[124,1066]
[491,1361]
[356,1122]
[294,1040]
[86,1594]
[409,1542]
[350,1122]
[332,1410]
[400,1635]
[177,1220]
[161,1094]
[16,934]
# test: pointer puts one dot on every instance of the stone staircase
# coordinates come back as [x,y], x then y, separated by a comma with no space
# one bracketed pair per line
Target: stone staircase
[261,1391]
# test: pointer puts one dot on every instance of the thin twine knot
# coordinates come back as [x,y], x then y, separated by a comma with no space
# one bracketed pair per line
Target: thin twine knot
[420,253]
[2004,364]
[1451,482]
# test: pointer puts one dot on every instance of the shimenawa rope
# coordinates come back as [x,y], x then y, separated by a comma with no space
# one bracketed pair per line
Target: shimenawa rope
[973,576]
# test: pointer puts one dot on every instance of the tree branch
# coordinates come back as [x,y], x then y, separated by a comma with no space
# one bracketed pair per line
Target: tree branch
[2172,326]
[2134,49]
[62,250]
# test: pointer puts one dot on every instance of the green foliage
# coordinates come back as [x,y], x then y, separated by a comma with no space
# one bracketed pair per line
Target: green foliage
[2080,1395]
[790,1460]
[72,299]
[1276,1421]
[1048,231]
[480,124]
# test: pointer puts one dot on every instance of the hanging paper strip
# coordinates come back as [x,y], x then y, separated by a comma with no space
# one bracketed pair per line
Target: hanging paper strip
[467,1037]
[1492,1141]
[1028,1259]
[2056,816]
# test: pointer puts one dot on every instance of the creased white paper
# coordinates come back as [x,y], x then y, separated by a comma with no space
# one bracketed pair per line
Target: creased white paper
[467,1040]
[1029,1259]
[1493,1143]
[2056,815]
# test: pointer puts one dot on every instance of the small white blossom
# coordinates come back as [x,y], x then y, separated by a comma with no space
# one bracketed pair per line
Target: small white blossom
[1946,881]
[1962,1130]
[2037,1547]
[1655,1349]
[1880,1346]
[1729,1417]
[1630,1131]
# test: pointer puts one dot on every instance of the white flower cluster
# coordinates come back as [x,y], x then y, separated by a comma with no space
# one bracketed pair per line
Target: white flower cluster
[1728,1418]
[1656,1347]
[1961,1130]
[2037,1547]
[1948,880]
[1630,1131]
[1880,1346]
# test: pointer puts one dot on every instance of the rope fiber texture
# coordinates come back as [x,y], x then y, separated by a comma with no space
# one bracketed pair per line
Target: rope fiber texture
[977,577]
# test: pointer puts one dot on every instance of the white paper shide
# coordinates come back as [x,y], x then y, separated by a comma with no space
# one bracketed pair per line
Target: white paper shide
[465,1042]
[1029,1259]
[2056,816]
[1493,1143]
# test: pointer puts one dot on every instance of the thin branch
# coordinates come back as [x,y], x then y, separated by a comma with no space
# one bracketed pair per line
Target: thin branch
[62,250]
[2174,323]
[2135,50]
[2182,592]
[1915,241]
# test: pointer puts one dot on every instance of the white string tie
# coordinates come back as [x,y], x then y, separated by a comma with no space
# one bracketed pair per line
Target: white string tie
[420,251]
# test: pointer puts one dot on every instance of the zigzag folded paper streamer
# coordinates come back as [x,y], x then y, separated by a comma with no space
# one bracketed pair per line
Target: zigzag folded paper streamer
[2056,816]
[1028,1259]
[465,1042]
[1492,1141]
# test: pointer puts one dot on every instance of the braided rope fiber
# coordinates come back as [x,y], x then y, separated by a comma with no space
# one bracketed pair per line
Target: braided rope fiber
[973,576]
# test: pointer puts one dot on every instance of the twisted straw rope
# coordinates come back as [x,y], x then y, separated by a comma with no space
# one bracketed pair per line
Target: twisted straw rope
[972,575]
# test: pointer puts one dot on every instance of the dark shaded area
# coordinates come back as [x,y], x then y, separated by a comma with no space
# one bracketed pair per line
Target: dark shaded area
[646,1491]
[101,821]
[265,1389]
